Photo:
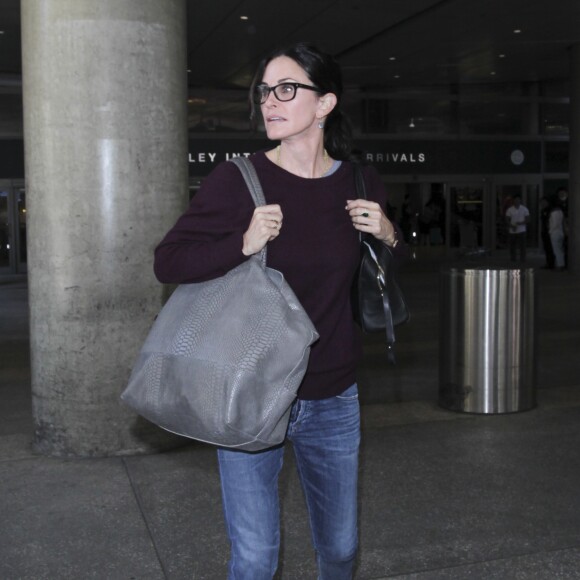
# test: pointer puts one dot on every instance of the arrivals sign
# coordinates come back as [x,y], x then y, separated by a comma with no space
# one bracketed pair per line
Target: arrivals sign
[397,156]
[390,157]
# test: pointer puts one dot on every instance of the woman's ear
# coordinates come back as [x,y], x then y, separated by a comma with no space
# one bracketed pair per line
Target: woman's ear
[325,105]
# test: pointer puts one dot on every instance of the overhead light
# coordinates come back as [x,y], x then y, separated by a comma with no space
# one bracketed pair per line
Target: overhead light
[392,58]
[517,31]
[397,76]
[244,17]
[412,123]
[492,73]
[501,55]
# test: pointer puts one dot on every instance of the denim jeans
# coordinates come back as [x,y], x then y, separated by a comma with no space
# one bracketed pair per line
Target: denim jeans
[517,244]
[325,435]
[557,239]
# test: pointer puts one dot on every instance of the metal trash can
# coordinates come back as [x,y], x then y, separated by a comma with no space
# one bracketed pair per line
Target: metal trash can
[487,349]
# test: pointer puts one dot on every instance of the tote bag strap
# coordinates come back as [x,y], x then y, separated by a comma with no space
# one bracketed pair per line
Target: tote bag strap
[250,176]
[361,191]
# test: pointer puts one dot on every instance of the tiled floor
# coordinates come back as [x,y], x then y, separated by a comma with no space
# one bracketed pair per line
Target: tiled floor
[442,496]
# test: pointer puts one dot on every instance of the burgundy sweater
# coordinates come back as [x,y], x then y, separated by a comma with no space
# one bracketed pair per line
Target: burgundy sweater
[317,251]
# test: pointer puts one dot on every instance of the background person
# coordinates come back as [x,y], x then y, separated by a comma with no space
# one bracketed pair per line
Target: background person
[517,217]
[556,229]
[562,199]
[311,226]
[545,211]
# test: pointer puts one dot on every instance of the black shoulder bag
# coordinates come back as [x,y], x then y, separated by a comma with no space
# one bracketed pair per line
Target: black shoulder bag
[378,303]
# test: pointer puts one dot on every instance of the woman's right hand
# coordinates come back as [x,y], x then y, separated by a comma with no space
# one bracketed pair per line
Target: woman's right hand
[264,227]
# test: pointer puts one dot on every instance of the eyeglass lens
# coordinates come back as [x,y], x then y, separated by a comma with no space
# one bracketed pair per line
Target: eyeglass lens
[283,92]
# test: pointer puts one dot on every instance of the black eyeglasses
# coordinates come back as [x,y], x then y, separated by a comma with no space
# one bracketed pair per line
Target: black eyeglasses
[283,92]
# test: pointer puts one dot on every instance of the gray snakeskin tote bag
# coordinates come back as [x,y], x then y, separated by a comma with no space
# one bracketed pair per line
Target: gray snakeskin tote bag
[224,358]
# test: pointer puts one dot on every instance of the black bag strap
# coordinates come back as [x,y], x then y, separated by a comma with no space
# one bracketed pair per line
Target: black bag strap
[382,270]
[361,190]
[252,180]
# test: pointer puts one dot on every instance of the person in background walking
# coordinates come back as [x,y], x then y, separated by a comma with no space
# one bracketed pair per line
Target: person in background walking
[562,199]
[545,211]
[556,227]
[517,217]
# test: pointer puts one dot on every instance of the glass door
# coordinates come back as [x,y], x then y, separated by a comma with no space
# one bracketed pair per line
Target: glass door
[466,218]
[19,194]
[4,230]
[12,228]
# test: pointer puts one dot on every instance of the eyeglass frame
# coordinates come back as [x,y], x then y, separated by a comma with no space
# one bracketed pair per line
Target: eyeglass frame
[273,90]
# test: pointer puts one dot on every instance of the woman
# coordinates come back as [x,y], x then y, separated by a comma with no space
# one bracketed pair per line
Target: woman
[545,211]
[311,224]
[556,229]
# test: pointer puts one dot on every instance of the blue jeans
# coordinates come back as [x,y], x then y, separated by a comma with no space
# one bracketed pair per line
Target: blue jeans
[517,243]
[557,239]
[326,436]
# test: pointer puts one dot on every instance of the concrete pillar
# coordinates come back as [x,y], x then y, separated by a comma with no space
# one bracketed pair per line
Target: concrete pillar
[574,185]
[105,129]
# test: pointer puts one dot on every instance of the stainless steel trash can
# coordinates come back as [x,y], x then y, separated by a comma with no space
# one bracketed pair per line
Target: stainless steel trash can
[487,349]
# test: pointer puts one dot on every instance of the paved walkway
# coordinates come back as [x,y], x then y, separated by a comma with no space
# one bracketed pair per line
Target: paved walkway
[443,495]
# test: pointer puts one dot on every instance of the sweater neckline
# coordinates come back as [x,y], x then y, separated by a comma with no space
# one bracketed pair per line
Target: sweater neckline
[335,168]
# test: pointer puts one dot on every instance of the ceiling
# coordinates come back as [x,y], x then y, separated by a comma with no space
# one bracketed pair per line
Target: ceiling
[381,44]
[432,42]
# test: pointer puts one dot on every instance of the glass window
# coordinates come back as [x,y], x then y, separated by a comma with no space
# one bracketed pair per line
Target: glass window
[407,116]
[496,90]
[494,118]
[554,118]
[218,112]
[4,229]
[11,114]
[556,89]
[513,109]
[556,158]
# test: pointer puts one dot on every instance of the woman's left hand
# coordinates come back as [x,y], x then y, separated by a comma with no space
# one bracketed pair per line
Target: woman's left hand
[369,217]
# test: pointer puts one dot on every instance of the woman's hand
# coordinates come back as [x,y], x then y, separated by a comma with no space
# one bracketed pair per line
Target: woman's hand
[264,227]
[368,216]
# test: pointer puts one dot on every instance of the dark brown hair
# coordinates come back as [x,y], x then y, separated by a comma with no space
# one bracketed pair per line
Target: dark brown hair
[324,72]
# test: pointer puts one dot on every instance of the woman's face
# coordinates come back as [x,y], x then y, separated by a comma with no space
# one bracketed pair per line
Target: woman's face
[295,118]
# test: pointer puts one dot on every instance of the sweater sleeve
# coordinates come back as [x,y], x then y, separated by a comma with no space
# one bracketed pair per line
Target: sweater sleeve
[206,241]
